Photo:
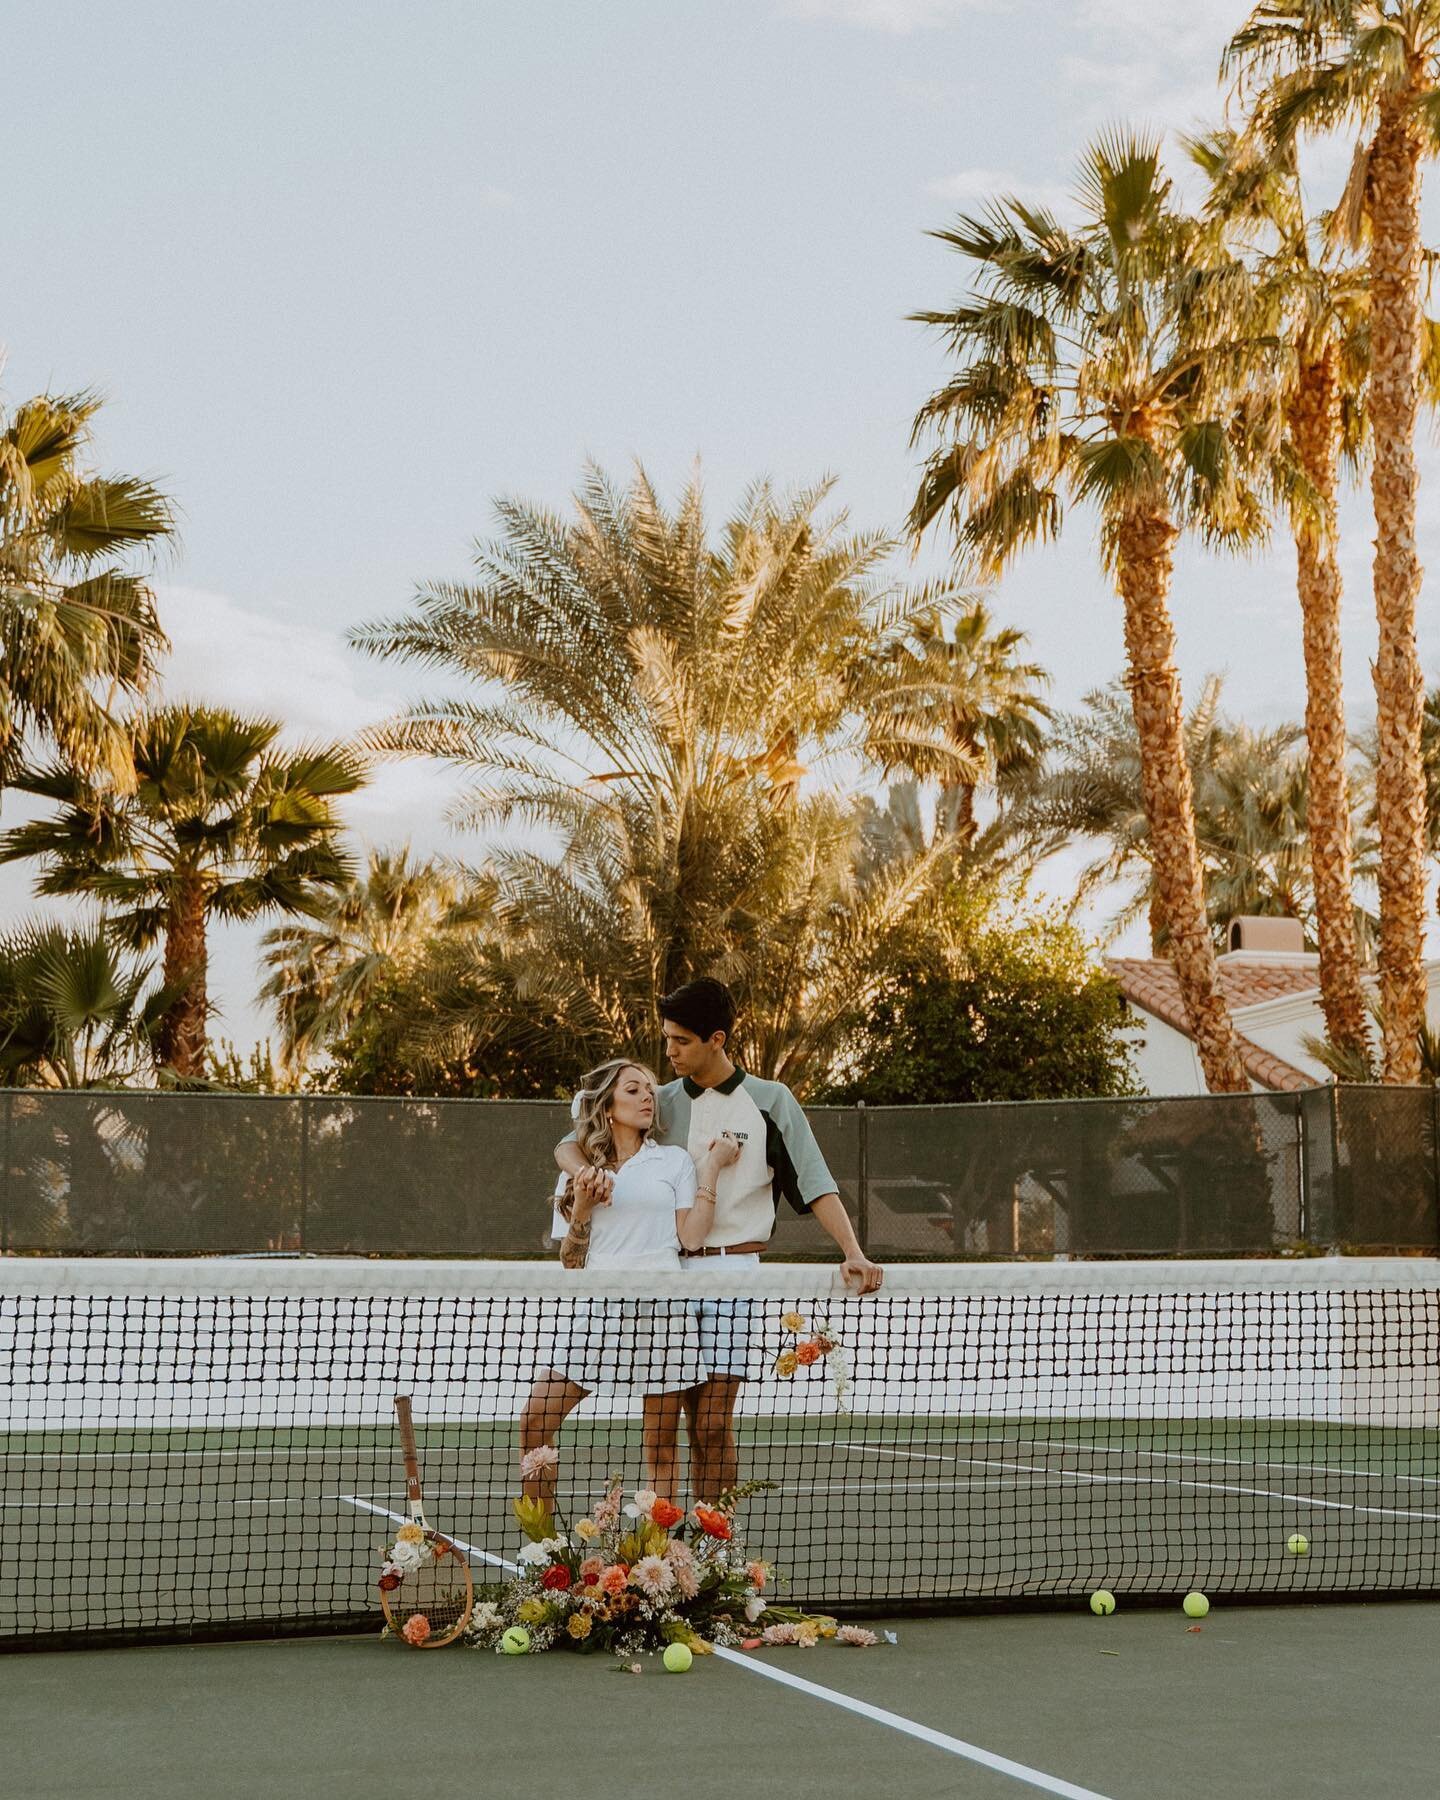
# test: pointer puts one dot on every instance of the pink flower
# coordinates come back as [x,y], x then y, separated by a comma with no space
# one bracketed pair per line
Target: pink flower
[613,1579]
[780,1634]
[607,1511]
[653,1577]
[680,1561]
[416,1629]
[538,1461]
[857,1635]
[759,1574]
[589,1571]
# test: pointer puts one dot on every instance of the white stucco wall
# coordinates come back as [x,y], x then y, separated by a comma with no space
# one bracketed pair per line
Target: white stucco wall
[1164,1059]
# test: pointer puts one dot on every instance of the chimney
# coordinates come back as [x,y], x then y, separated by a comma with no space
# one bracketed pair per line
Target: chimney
[1267,936]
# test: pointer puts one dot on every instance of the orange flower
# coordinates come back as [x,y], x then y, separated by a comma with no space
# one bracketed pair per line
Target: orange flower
[665,1513]
[786,1364]
[416,1629]
[713,1524]
[613,1579]
[807,1353]
[759,1574]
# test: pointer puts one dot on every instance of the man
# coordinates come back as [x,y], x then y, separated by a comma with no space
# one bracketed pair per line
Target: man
[711,1098]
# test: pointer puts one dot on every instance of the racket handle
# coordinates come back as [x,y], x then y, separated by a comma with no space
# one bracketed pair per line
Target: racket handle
[407,1446]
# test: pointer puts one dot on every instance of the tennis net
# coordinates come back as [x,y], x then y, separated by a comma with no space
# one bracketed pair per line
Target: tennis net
[207,1449]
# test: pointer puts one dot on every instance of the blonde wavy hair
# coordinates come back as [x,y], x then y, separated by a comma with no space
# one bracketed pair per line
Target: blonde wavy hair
[593,1102]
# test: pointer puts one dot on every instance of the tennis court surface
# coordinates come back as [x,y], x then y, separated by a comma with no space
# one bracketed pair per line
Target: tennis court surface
[204,1450]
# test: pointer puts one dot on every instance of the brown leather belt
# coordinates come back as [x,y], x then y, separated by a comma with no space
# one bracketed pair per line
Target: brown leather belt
[730,1249]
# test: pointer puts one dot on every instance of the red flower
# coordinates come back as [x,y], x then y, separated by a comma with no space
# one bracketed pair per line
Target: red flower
[808,1352]
[557,1576]
[388,1583]
[665,1513]
[713,1524]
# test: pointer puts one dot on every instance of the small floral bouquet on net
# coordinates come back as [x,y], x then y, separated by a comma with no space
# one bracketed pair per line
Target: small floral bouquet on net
[811,1343]
[622,1579]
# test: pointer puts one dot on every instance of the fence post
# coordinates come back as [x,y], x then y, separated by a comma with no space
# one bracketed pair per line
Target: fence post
[5,1174]
[1302,1172]
[862,1157]
[304,1169]
[1435,1157]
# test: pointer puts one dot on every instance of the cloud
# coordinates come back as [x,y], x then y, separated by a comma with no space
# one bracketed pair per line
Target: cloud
[898,17]
[495,199]
[971,187]
[1147,62]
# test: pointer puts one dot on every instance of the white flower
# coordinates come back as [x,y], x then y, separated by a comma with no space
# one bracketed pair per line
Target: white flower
[533,1553]
[486,1617]
[645,1499]
[754,1606]
[407,1557]
[586,1530]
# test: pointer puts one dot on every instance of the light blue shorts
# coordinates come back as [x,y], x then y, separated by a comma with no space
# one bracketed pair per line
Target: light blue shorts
[727,1338]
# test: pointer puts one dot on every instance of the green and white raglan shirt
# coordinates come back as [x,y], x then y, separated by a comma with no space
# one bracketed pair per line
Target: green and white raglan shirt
[778,1152]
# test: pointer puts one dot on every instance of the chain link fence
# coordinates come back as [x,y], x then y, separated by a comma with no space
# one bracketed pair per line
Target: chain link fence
[143,1173]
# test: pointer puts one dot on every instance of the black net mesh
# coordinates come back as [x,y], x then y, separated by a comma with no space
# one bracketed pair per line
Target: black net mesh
[201,1450]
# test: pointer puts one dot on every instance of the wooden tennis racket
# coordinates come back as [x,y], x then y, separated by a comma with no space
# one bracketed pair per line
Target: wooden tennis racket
[440,1591]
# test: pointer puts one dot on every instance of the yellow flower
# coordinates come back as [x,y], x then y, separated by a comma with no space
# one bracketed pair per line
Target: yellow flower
[578,1625]
[531,1612]
[534,1518]
[410,1534]
[793,1321]
[786,1363]
[586,1530]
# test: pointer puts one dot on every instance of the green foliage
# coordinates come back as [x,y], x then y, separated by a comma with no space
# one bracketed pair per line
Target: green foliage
[75,1011]
[77,623]
[1009,1009]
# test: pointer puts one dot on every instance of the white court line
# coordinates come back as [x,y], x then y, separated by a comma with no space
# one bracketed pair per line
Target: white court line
[1002,1765]
[987,1759]
[1160,1481]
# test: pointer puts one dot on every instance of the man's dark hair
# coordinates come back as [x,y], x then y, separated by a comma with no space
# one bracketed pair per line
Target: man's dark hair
[703,1006]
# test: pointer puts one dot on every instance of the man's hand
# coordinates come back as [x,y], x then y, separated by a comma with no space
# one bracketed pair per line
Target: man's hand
[723,1150]
[593,1187]
[859,1271]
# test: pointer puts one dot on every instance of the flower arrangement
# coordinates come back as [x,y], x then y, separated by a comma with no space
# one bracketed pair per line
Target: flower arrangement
[804,1351]
[412,1549]
[623,1579]
[415,1548]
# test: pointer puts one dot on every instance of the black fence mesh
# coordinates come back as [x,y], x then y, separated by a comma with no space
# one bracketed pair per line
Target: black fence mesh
[180,1174]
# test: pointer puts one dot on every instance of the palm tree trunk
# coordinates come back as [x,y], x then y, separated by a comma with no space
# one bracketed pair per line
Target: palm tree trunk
[1145,553]
[957,811]
[1314,422]
[1395,328]
[183,1037]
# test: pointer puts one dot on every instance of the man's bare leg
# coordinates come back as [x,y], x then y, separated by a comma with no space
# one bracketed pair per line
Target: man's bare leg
[710,1421]
[661,1427]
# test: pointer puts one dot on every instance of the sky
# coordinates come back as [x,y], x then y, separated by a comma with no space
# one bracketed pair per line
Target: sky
[347,272]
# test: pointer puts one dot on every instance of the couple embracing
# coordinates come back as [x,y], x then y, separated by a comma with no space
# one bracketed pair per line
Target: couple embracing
[652,1177]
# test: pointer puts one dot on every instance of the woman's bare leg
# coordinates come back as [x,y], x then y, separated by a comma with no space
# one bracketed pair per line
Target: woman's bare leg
[552,1400]
[661,1423]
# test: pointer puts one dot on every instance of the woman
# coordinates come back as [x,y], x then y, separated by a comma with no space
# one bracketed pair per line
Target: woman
[658,1205]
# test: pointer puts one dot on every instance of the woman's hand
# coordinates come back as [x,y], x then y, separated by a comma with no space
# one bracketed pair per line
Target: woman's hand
[593,1187]
[720,1152]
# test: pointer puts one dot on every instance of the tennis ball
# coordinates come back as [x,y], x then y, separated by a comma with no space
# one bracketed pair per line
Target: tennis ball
[1298,1544]
[1102,1601]
[515,1642]
[677,1658]
[1196,1606]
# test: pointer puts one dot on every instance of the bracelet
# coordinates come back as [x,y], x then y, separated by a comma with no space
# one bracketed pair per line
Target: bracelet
[704,1193]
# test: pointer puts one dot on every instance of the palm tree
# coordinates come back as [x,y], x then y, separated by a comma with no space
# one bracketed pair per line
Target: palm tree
[1374,66]
[965,682]
[1103,361]
[325,972]
[77,625]
[661,700]
[1252,798]
[223,824]
[1319,363]
[75,1011]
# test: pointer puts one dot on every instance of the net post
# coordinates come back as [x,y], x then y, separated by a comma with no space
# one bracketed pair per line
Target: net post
[862,1176]
[304,1170]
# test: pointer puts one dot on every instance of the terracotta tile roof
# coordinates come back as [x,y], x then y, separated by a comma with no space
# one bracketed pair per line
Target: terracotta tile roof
[1151,983]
